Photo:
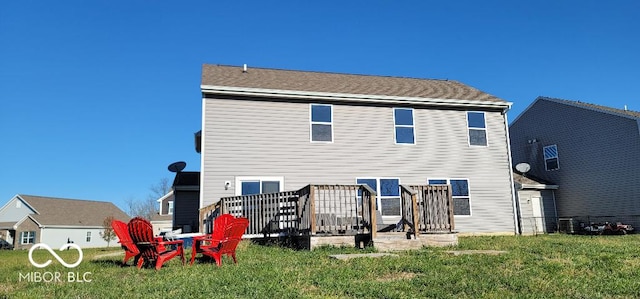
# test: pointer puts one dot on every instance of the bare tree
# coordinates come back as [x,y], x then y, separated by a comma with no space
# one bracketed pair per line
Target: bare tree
[149,207]
[160,189]
[108,234]
[142,208]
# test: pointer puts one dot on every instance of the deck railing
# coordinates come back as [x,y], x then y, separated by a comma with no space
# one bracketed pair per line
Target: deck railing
[312,210]
[409,207]
[334,210]
[435,208]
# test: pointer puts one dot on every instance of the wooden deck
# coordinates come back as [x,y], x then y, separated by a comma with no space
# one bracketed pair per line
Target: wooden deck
[342,215]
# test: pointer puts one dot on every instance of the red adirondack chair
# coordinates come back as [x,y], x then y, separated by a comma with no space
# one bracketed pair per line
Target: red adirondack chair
[152,250]
[130,249]
[227,246]
[211,239]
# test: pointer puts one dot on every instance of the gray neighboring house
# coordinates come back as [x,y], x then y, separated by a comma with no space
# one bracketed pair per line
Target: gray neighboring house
[268,130]
[591,152]
[26,220]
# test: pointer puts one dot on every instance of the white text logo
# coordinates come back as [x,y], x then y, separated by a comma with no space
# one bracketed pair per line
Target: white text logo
[45,246]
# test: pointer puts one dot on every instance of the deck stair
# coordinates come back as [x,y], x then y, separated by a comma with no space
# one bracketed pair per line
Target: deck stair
[400,241]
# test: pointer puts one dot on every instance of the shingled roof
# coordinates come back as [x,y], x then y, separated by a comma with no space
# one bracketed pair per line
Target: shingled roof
[319,82]
[606,109]
[72,212]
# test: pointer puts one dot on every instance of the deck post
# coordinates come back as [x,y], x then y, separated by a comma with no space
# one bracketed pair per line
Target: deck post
[372,211]
[450,195]
[416,217]
[201,220]
[312,209]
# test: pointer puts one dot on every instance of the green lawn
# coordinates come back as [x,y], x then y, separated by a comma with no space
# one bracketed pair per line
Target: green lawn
[550,266]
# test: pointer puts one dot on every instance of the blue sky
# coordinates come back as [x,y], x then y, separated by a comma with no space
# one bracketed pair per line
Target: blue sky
[98,97]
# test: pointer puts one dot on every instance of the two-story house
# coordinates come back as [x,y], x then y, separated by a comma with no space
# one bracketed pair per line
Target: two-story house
[591,152]
[268,130]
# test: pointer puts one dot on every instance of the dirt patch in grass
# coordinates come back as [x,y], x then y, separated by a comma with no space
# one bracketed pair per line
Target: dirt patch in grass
[489,252]
[99,256]
[396,276]
[5,288]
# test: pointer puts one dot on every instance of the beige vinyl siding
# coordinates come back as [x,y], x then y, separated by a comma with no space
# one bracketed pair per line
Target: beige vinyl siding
[599,157]
[268,138]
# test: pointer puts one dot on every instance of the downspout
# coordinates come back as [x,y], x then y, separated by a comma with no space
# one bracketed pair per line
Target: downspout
[513,187]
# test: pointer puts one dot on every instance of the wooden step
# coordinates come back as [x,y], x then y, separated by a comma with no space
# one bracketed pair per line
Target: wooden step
[398,241]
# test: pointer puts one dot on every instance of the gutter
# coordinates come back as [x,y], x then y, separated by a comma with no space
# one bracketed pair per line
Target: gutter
[72,226]
[341,97]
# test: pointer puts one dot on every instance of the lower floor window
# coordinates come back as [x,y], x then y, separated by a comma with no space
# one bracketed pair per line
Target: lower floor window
[388,194]
[459,192]
[258,185]
[88,237]
[28,237]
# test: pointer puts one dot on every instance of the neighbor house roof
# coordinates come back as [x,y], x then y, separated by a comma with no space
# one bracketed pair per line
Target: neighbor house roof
[53,211]
[532,182]
[158,217]
[594,107]
[222,78]
[186,180]
[7,225]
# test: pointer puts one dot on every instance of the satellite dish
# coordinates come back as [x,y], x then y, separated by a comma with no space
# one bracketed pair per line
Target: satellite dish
[177,166]
[523,167]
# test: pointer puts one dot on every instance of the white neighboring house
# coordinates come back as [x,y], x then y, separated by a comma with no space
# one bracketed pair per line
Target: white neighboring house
[26,220]
[163,221]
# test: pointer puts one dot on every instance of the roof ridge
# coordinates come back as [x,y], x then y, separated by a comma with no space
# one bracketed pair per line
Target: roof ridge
[596,106]
[331,73]
[63,198]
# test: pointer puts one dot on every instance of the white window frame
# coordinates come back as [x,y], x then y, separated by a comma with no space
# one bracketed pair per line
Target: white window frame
[469,128]
[170,207]
[449,183]
[311,123]
[412,126]
[379,194]
[27,236]
[240,179]
[88,237]
[553,157]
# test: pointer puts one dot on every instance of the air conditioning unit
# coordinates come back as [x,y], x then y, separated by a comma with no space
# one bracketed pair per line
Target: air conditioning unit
[566,225]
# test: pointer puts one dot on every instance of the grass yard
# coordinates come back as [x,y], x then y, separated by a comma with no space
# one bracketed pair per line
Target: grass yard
[548,266]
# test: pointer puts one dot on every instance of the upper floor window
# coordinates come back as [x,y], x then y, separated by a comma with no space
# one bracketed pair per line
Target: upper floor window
[404,126]
[459,192]
[551,157]
[477,128]
[170,208]
[321,122]
[28,237]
